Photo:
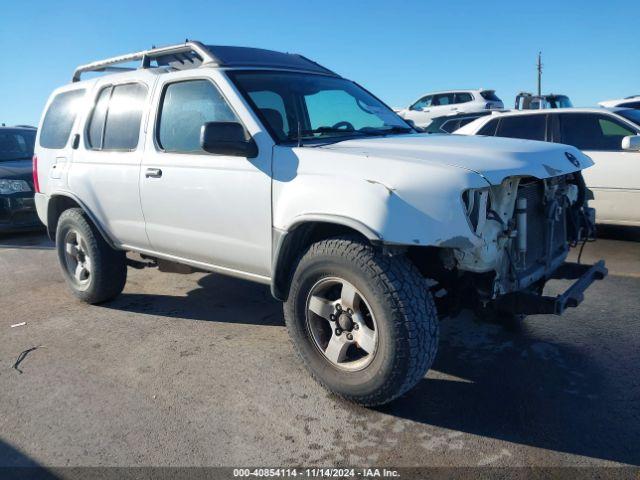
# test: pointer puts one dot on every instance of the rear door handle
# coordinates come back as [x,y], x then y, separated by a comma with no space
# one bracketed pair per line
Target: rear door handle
[153,173]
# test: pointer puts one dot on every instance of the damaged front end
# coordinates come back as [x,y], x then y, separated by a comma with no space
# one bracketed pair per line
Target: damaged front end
[526,227]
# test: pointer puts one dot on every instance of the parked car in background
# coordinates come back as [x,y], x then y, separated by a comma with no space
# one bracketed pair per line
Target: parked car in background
[528,101]
[609,136]
[438,104]
[272,168]
[17,208]
[628,102]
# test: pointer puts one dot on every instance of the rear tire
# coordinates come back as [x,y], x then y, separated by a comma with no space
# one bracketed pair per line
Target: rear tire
[93,270]
[397,338]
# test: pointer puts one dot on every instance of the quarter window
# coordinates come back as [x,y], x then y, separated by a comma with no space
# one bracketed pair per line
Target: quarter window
[59,119]
[528,127]
[185,108]
[489,128]
[115,121]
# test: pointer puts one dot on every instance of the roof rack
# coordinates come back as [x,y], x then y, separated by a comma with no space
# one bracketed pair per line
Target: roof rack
[180,52]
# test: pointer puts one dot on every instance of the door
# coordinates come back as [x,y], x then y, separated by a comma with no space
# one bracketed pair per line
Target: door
[444,104]
[106,166]
[211,209]
[615,177]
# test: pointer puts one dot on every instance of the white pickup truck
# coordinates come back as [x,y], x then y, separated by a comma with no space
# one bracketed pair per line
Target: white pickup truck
[270,167]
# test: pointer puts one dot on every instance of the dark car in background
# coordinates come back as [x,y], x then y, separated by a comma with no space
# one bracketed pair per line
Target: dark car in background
[17,208]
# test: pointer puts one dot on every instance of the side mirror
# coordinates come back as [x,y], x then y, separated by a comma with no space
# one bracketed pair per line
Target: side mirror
[227,138]
[632,142]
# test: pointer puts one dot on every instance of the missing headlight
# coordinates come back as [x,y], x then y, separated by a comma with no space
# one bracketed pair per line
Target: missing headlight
[477,203]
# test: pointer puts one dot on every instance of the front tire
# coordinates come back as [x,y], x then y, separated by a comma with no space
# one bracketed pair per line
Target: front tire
[93,270]
[364,323]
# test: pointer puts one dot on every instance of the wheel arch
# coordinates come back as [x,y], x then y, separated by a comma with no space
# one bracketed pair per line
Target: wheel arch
[60,202]
[290,244]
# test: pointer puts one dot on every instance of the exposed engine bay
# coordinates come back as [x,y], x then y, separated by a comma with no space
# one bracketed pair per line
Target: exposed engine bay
[527,226]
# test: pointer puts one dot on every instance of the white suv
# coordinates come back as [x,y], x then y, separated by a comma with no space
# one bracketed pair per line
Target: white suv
[439,104]
[272,168]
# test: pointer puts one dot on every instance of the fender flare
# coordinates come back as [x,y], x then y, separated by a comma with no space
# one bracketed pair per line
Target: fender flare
[282,241]
[103,232]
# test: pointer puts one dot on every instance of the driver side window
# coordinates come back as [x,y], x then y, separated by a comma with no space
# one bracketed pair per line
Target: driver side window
[185,107]
[424,102]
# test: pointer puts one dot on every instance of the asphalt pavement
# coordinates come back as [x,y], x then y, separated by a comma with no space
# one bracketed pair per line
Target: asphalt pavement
[197,370]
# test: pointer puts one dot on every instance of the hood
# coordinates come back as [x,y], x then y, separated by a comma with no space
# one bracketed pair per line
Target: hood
[17,170]
[493,158]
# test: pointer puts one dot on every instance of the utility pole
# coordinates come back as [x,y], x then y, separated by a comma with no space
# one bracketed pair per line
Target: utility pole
[539,73]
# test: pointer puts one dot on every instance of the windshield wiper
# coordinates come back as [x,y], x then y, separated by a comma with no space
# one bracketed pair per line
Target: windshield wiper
[393,129]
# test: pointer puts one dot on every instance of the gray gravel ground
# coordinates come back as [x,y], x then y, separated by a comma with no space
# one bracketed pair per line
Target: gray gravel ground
[198,370]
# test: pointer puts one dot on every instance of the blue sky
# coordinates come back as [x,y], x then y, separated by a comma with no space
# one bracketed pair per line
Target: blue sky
[397,49]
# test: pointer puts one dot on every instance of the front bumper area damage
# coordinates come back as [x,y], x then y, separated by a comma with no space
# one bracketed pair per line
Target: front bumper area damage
[528,303]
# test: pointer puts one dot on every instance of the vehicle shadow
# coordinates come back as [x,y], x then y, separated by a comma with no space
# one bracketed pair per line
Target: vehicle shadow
[15,464]
[217,298]
[619,232]
[519,388]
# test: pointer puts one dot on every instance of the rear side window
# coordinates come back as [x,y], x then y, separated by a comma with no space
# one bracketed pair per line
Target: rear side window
[185,107]
[528,127]
[58,121]
[463,97]
[115,121]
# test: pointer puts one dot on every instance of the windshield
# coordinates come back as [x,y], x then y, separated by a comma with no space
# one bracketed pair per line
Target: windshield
[632,115]
[298,106]
[560,101]
[16,144]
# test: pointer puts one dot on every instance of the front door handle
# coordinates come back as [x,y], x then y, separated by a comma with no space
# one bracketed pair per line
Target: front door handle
[153,173]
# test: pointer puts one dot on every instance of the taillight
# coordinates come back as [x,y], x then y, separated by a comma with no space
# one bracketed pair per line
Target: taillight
[36,182]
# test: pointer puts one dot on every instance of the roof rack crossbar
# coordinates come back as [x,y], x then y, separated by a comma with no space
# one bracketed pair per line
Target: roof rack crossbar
[145,57]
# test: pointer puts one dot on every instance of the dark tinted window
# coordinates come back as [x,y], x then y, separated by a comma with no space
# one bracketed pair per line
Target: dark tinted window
[115,121]
[592,131]
[16,144]
[96,123]
[489,129]
[59,119]
[444,99]
[186,106]
[528,127]
[463,97]
[490,95]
